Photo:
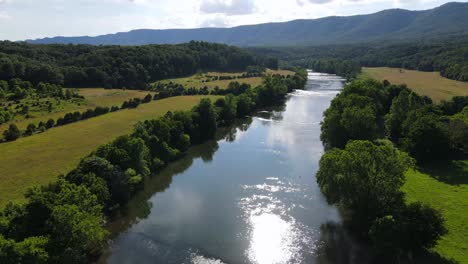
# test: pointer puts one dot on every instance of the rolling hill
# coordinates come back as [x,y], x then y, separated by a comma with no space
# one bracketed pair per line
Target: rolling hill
[389,25]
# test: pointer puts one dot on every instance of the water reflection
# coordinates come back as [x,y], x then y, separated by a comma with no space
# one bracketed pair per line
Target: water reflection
[250,196]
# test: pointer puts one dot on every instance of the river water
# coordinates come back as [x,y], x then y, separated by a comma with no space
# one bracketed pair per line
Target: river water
[250,196]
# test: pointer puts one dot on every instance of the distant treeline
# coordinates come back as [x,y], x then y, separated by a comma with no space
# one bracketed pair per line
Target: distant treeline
[63,222]
[345,68]
[374,132]
[450,57]
[132,67]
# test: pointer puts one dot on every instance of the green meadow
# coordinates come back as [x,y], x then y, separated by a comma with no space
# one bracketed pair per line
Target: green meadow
[445,187]
[38,159]
[93,97]
[200,80]
[438,88]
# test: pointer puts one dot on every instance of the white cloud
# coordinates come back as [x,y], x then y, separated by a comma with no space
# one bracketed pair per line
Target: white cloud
[232,7]
[25,19]
[217,21]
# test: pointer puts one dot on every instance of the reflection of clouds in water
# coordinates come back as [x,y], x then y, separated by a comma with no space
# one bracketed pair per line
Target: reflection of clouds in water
[300,122]
[186,205]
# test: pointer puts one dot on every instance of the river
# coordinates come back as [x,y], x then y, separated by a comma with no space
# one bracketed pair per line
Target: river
[250,196]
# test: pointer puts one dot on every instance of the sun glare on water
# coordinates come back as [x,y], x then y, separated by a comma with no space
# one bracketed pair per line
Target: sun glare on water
[271,239]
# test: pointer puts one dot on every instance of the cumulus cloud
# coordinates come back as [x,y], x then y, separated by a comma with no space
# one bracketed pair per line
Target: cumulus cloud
[217,21]
[232,7]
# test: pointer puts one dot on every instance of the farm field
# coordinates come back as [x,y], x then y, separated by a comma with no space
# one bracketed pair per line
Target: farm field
[38,159]
[93,97]
[199,80]
[431,84]
[446,190]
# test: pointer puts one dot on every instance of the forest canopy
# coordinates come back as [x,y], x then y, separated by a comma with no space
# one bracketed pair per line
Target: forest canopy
[449,57]
[131,67]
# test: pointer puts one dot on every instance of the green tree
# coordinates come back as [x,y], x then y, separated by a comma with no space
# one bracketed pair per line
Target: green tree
[228,111]
[75,234]
[401,106]
[12,133]
[205,119]
[365,177]
[425,136]
[244,105]
[30,129]
[31,250]
[50,123]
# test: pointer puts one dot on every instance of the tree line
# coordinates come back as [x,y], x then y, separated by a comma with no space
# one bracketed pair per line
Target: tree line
[131,67]
[63,221]
[374,132]
[446,56]
[346,68]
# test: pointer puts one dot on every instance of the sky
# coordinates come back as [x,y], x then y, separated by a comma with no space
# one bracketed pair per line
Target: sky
[31,19]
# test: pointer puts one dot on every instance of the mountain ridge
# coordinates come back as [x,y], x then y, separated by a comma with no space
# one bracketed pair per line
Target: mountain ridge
[387,25]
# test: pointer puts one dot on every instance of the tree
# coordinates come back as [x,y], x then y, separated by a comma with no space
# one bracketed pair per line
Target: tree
[351,116]
[30,129]
[12,133]
[365,177]
[147,98]
[421,227]
[31,250]
[228,111]
[206,119]
[50,123]
[244,105]
[411,228]
[401,106]
[75,234]
[425,137]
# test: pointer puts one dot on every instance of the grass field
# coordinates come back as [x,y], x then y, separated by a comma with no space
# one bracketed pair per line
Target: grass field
[447,191]
[425,83]
[93,97]
[199,80]
[38,159]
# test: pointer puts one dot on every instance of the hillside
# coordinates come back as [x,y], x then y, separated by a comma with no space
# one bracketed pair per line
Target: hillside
[395,24]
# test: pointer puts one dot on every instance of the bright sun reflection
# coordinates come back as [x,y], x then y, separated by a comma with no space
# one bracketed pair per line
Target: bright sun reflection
[271,239]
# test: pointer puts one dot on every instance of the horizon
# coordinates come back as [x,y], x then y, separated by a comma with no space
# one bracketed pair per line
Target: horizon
[130,15]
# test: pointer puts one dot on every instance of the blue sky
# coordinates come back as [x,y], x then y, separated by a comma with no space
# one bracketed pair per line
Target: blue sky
[29,19]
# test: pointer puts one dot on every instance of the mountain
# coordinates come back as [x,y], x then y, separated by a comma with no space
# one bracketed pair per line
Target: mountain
[389,25]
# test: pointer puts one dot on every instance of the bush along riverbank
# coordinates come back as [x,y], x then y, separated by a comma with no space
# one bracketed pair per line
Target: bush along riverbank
[374,133]
[63,221]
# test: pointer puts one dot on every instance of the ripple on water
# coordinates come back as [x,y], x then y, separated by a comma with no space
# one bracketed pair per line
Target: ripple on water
[275,236]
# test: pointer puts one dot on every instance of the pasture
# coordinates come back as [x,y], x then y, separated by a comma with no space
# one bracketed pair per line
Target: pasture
[445,187]
[38,159]
[201,80]
[93,97]
[431,84]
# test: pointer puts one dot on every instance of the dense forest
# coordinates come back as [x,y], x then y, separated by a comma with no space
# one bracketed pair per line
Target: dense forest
[119,66]
[63,222]
[450,57]
[374,132]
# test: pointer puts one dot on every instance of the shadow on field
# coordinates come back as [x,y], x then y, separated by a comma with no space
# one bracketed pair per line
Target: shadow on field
[432,258]
[451,172]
